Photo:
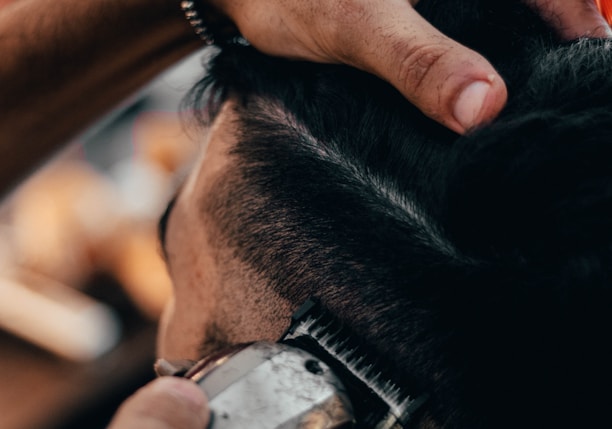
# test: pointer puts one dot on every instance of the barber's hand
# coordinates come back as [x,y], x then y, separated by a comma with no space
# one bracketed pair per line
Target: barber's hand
[448,82]
[573,18]
[166,403]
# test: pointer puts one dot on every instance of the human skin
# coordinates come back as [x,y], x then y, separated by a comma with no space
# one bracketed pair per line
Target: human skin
[448,82]
[69,61]
[210,295]
[206,295]
[166,403]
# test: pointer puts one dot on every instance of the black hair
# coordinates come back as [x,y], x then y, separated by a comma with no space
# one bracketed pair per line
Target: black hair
[481,264]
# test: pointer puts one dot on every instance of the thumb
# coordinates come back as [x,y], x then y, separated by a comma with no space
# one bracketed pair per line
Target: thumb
[445,80]
[165,403]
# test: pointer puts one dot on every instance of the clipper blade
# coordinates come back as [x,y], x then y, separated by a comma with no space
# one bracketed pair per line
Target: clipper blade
[379,401]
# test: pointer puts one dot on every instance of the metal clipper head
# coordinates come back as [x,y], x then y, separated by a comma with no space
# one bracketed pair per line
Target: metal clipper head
[267,385]
[319,375]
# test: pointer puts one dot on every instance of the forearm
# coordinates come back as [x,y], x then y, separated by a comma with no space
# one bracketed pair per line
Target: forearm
[66,62]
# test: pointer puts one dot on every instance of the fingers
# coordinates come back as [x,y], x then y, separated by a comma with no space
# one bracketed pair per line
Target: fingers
[166,403]
[447,81]
[573,18]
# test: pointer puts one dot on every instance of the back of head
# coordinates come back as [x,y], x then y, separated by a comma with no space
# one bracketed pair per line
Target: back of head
[481,264]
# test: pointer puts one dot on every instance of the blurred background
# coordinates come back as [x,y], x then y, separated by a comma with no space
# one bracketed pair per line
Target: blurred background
[82,282]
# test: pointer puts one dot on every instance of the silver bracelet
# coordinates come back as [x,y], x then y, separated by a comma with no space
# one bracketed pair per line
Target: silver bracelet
[197,23]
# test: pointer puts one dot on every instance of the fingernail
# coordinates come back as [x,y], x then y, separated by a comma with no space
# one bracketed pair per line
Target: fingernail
[469,105]
[183,389]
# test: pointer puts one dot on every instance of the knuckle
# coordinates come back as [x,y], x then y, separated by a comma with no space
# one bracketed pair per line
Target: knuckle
[417,65]
[348,18]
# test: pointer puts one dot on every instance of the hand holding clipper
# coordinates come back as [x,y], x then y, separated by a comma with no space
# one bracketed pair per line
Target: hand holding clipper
[271,385]
[317,376]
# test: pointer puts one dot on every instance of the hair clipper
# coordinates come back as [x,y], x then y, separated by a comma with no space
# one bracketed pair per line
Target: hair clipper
[317,376]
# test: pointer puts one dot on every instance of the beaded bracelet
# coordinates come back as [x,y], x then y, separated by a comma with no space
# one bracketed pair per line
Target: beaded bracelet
[211,31]
[197,23]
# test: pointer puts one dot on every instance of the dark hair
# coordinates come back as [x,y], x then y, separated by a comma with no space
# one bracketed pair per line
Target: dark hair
[480,264]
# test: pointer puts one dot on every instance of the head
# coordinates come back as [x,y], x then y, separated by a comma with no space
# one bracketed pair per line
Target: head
[479,264]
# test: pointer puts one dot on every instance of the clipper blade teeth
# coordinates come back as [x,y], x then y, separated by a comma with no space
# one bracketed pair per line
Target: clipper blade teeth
[314,322]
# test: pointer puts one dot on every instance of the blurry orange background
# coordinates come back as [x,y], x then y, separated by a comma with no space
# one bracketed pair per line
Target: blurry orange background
[605,6]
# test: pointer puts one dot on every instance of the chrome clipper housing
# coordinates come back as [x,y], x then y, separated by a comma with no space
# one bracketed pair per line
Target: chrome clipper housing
[317,376]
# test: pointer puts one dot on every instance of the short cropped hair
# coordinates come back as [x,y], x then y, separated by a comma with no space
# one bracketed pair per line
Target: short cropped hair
[480,263]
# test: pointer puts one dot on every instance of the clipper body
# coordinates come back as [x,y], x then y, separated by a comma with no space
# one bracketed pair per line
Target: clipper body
[318,376]
[271,385]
